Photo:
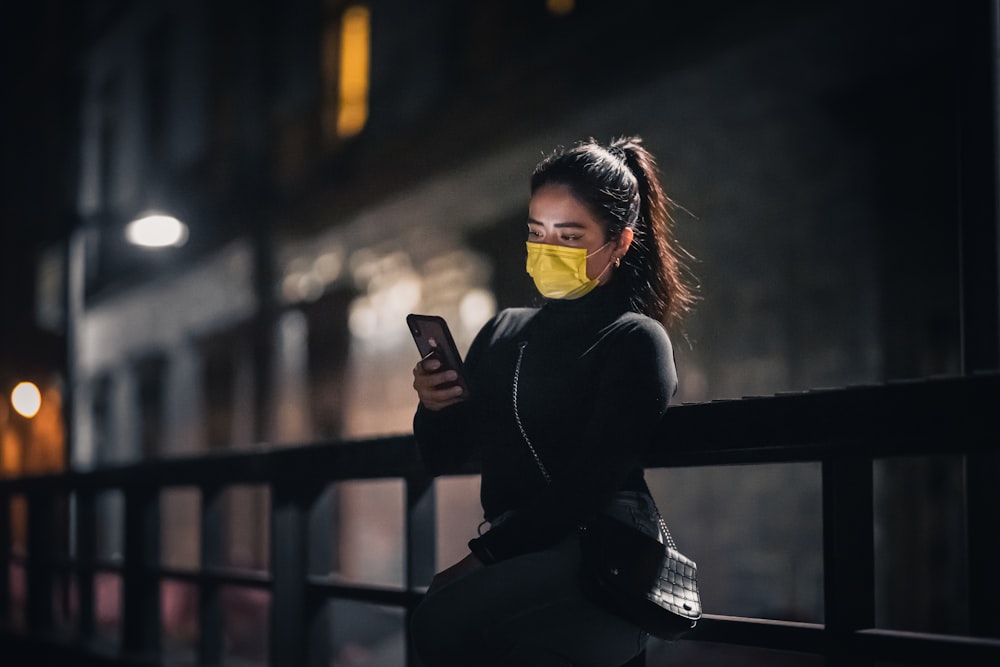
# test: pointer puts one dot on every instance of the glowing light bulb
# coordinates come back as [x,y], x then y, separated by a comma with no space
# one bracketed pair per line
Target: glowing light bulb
[157,231]
[26,399]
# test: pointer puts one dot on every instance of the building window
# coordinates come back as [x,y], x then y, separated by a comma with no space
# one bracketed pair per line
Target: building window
[150,372]
[219,366]
[329,343]
[345,70]
[100,415]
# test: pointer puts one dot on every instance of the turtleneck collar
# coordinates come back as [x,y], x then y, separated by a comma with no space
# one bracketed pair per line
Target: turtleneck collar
[603,304]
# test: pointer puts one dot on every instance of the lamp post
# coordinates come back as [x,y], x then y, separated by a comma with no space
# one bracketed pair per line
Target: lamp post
[153,230]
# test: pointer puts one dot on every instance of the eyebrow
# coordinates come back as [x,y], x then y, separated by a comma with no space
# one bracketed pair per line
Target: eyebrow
[560,225]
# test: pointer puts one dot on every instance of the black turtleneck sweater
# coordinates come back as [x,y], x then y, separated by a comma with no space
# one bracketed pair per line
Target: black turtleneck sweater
[595,380]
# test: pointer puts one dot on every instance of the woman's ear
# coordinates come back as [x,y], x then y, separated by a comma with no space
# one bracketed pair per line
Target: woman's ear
[624,241]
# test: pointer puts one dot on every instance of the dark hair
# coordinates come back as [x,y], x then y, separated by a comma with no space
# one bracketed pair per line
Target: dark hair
[620,183]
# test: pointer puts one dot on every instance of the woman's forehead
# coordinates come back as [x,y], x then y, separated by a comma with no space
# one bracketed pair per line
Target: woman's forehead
[556,205]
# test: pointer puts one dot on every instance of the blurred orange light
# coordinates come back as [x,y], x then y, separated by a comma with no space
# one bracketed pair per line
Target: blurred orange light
[355,42]
[560,7]
[10,453]
[26,399]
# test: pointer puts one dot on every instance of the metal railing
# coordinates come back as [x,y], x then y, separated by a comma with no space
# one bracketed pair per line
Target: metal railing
[844,429]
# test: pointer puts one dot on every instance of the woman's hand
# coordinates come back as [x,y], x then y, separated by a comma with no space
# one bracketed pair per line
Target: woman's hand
[462,568]
[428,379]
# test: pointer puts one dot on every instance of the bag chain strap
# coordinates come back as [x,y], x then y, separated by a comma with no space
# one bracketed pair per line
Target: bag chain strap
[517,417]
[538,459]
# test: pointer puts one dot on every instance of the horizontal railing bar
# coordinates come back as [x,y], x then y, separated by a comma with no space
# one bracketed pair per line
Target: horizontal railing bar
[761,633]
[759,622]
[876,643]
[215,576]
[324,587]
[220,575]
[223,576]
[939,416]
[56,650]
[108,567]
[385,457]
[946,416]
[69,564]
[929,649]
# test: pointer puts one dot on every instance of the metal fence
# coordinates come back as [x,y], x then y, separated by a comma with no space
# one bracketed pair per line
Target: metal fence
[844,429]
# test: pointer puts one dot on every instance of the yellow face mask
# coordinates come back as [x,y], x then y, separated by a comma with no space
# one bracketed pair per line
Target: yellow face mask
[560,272]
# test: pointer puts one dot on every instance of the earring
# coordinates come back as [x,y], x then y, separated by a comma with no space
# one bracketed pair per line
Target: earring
[618,262]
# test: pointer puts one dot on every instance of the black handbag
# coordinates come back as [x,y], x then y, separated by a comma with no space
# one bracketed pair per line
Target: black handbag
[645,581]
[639,578]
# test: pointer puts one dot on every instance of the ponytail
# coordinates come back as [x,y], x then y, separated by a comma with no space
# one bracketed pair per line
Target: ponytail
[654,266]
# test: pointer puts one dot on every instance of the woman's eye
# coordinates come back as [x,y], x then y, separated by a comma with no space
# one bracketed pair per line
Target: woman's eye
[534,233]
[571,238]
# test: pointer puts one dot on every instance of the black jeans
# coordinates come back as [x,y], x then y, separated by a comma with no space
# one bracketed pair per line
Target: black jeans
[528,611]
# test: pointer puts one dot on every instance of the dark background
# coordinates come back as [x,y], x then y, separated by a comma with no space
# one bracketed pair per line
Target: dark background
[37,117]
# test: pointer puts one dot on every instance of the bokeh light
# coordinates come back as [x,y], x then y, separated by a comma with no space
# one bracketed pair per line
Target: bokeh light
[26,399]
[157,231]
[560,7]
[355,57]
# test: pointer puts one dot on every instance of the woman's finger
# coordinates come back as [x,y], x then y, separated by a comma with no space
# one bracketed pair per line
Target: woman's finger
[436,397]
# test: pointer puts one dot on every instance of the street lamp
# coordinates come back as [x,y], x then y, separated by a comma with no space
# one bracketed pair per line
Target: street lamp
[26,399]
[154,230]
[157,231]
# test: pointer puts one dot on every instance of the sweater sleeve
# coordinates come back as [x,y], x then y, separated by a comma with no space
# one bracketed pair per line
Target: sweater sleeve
[444,436]
[632,393]
[441,437]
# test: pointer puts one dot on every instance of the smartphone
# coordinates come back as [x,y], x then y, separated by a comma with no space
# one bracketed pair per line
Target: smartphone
[434,340]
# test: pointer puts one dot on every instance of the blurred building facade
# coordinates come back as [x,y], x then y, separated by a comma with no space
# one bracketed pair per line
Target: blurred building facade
[340,164]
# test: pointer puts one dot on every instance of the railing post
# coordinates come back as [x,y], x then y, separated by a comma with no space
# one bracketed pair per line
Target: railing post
[979,224]
[5,545]
[848,555]
[86,552]
[40,571]
[141,587]
[319,560]
[421,541]
[209,594]
[290,617]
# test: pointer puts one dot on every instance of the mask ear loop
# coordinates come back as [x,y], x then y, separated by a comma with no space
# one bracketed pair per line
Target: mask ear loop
[605,269]
[616,262]
[596,251]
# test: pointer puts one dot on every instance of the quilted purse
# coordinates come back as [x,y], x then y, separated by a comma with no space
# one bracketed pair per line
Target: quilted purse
[640,578]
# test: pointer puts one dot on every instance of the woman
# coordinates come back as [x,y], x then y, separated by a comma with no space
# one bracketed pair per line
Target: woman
[562,402]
